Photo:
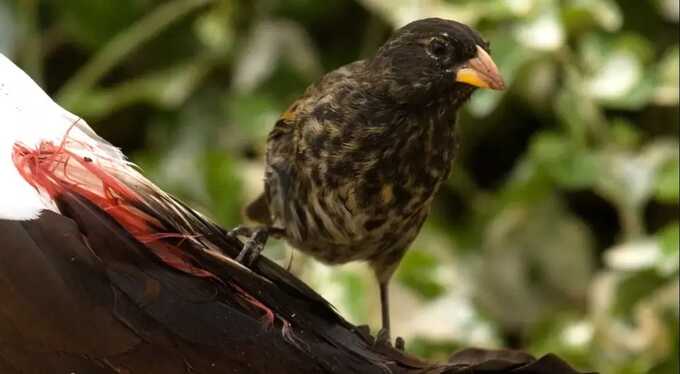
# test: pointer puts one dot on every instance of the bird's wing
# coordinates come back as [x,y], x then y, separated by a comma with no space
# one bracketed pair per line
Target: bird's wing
[81,295]
[284,155]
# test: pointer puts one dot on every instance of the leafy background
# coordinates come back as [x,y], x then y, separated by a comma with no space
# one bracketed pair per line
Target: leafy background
[558,230]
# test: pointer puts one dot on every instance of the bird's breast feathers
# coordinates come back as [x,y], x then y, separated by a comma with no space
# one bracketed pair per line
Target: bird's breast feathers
[351,171]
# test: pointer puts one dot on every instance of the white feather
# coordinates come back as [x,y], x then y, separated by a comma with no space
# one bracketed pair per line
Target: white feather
[28,116]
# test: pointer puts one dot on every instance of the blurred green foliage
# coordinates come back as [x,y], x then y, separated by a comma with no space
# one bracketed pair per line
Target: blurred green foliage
[558,230]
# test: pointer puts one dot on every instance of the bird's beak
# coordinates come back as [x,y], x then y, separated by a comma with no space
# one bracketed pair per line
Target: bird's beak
[481,72]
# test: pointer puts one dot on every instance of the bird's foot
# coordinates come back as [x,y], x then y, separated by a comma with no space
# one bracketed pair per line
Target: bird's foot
[253,245]
[383,339]
[400,343]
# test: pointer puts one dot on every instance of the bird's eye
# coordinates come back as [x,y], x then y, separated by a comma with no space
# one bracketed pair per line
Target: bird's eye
[437,48]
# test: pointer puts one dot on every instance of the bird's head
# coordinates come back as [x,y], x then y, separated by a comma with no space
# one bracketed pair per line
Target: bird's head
[431,59]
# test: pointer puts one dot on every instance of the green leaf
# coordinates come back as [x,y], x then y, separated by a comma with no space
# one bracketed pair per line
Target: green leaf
[667,184]
[578,111]
[224,187]
[544,32]
[270,43]
[565,334]
[632,289]
[253,114]
[215,28]
[668,78]
[633,255]
[669,10]
[624,133]
[630,178]
[618,73]
[354,293]
[669,241]
[579,14]
[568,165]
[8,27]
[417,271]
[93,23]
[166,88]
[536,257]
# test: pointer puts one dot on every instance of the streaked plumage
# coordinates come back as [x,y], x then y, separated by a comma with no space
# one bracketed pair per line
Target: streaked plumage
[353,165]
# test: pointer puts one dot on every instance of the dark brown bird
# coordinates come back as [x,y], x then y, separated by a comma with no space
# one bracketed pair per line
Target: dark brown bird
[353,165]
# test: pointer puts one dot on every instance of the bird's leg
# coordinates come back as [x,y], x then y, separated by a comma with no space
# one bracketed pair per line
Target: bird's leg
[385,309]
[383,336]
[255,242]
[384,333]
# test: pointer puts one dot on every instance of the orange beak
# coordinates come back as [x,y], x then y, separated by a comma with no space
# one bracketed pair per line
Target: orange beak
[481,72]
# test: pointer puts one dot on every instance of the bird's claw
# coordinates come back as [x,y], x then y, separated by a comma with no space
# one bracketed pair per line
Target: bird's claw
[250,252]
[253,246]
[383,339]
[400,344]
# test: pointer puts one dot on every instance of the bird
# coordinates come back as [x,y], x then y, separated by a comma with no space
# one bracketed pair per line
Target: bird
[353,165]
